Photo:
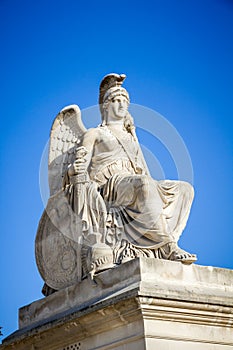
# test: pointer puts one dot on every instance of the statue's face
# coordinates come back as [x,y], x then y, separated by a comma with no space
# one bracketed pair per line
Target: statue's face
[117,108]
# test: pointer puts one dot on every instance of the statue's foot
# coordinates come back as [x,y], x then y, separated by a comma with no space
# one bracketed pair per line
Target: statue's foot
[178,254]
[99,257]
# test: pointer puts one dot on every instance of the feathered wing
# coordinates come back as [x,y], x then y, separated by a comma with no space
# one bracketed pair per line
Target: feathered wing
[65,135]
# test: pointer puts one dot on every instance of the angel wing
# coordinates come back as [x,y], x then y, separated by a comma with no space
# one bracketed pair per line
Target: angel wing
[65,134]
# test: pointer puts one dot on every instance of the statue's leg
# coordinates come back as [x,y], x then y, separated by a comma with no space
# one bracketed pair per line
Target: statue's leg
[177,197]
[154,213]
[159,212]
[141,209]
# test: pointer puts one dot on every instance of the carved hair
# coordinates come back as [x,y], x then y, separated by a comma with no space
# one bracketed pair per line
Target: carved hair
[129,125]
[113,92]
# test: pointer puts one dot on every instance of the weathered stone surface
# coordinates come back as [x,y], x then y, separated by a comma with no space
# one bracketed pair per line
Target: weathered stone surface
[105,208]
[142,304]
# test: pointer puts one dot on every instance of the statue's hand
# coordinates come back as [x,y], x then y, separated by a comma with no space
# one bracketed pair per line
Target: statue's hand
[80,164]
[79,167]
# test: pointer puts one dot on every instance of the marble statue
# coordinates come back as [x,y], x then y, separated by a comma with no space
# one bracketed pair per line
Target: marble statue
[104,207]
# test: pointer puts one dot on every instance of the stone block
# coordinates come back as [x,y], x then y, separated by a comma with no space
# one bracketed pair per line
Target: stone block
[142,304]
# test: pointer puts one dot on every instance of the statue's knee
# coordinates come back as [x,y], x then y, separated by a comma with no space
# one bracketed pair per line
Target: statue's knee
[142,185]
[187,188]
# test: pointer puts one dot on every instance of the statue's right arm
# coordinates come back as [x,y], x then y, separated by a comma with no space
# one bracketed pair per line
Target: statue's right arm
[81,163]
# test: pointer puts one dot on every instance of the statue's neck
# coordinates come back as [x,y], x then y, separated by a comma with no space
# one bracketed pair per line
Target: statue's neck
[120,122]
[116,125]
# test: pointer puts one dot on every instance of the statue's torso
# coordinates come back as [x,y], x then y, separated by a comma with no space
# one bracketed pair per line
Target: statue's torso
[110,156]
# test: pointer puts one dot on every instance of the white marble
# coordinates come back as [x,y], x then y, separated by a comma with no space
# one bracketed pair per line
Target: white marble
[105,208]
[142,304]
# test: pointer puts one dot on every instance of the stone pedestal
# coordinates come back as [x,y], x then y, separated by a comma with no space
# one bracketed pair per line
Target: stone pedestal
[142,304]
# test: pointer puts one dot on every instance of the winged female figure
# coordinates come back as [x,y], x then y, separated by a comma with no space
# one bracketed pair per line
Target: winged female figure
[105,208]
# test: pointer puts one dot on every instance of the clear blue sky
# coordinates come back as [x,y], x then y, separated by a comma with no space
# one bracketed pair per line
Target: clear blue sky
[178,57]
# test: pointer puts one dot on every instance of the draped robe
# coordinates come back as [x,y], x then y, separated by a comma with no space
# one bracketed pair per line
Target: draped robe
[148,213]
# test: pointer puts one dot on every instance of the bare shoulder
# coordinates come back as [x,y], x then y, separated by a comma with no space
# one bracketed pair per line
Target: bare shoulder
[90,137]
[92,133]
